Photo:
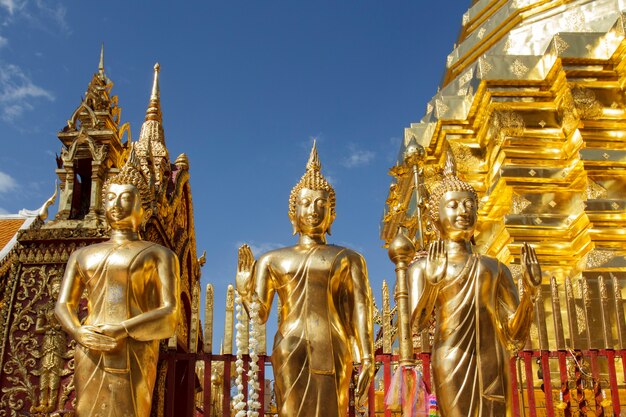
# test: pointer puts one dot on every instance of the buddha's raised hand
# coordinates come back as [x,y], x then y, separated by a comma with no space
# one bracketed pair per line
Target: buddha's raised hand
[531,269]
[244,269]
[436,262]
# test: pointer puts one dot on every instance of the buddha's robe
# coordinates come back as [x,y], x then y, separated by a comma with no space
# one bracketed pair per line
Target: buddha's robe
[122,283]
[312,355]
[470,359]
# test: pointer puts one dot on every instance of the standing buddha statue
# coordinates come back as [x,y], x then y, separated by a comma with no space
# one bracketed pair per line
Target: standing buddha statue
[480,318]
[132,300]
[326,305]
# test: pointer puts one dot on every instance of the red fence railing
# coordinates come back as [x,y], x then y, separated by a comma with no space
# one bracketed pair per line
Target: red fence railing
[544,383]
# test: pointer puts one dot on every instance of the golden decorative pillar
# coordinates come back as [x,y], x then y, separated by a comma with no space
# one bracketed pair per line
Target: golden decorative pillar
[208,319]
[401,251]
[227,344]
[386,316]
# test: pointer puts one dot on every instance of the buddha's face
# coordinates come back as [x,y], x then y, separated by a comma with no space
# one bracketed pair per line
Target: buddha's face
[457,215]
[313,212]
[122,206]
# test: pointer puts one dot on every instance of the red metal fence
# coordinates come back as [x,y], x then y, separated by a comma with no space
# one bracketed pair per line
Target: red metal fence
[577,383]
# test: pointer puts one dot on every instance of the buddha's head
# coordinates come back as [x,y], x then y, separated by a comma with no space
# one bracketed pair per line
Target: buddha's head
[312,201]
[122,206]
[126,197]
[453,206]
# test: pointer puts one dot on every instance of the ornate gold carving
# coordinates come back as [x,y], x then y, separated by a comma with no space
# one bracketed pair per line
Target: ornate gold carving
[575,20]
[467,158]
[581,320]
[377,317]
[69,233]
[33,328]
[53,354]
[399,171]
[518,204]
[195,318]
[386,325]
[586,104]
[518,69]
[597,258]
[516,273]
[484,67]
[227,346]
[569,289]
[182,162]
[559,44]
[507,123]
[604,295]
[557,319]
[208,319]
[441,108]
[584,289]
[160,389]
[466,77]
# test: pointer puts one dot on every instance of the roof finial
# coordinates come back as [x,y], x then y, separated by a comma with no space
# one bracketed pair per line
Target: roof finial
[154,107]
[101,65]
[155,84]
[314,160]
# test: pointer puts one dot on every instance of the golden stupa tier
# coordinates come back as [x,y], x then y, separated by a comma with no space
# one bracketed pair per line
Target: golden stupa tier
[532,106]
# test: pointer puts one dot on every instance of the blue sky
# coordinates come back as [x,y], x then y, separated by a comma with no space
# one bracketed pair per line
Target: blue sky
[245,86]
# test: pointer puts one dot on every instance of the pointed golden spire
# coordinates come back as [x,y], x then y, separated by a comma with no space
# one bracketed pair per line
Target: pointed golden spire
[155,95]
[314,160]
[101,64]
[154,107]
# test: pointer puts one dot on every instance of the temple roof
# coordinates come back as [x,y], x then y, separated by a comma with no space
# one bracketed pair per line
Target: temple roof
[10,224]
[517,40]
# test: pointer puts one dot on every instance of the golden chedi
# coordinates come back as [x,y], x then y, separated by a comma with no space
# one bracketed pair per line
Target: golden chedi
[132,289]
[326,306]
[480,319]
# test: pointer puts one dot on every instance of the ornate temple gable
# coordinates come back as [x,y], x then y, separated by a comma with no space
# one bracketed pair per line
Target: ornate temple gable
[532,106]
[92,151]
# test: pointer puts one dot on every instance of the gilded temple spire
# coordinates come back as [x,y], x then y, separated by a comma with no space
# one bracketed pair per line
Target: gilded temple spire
[151,145]
[101,64]
[154,107]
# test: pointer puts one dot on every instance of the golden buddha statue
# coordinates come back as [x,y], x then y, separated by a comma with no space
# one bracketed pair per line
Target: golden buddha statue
[480,318]
[132,293]
[326,308]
